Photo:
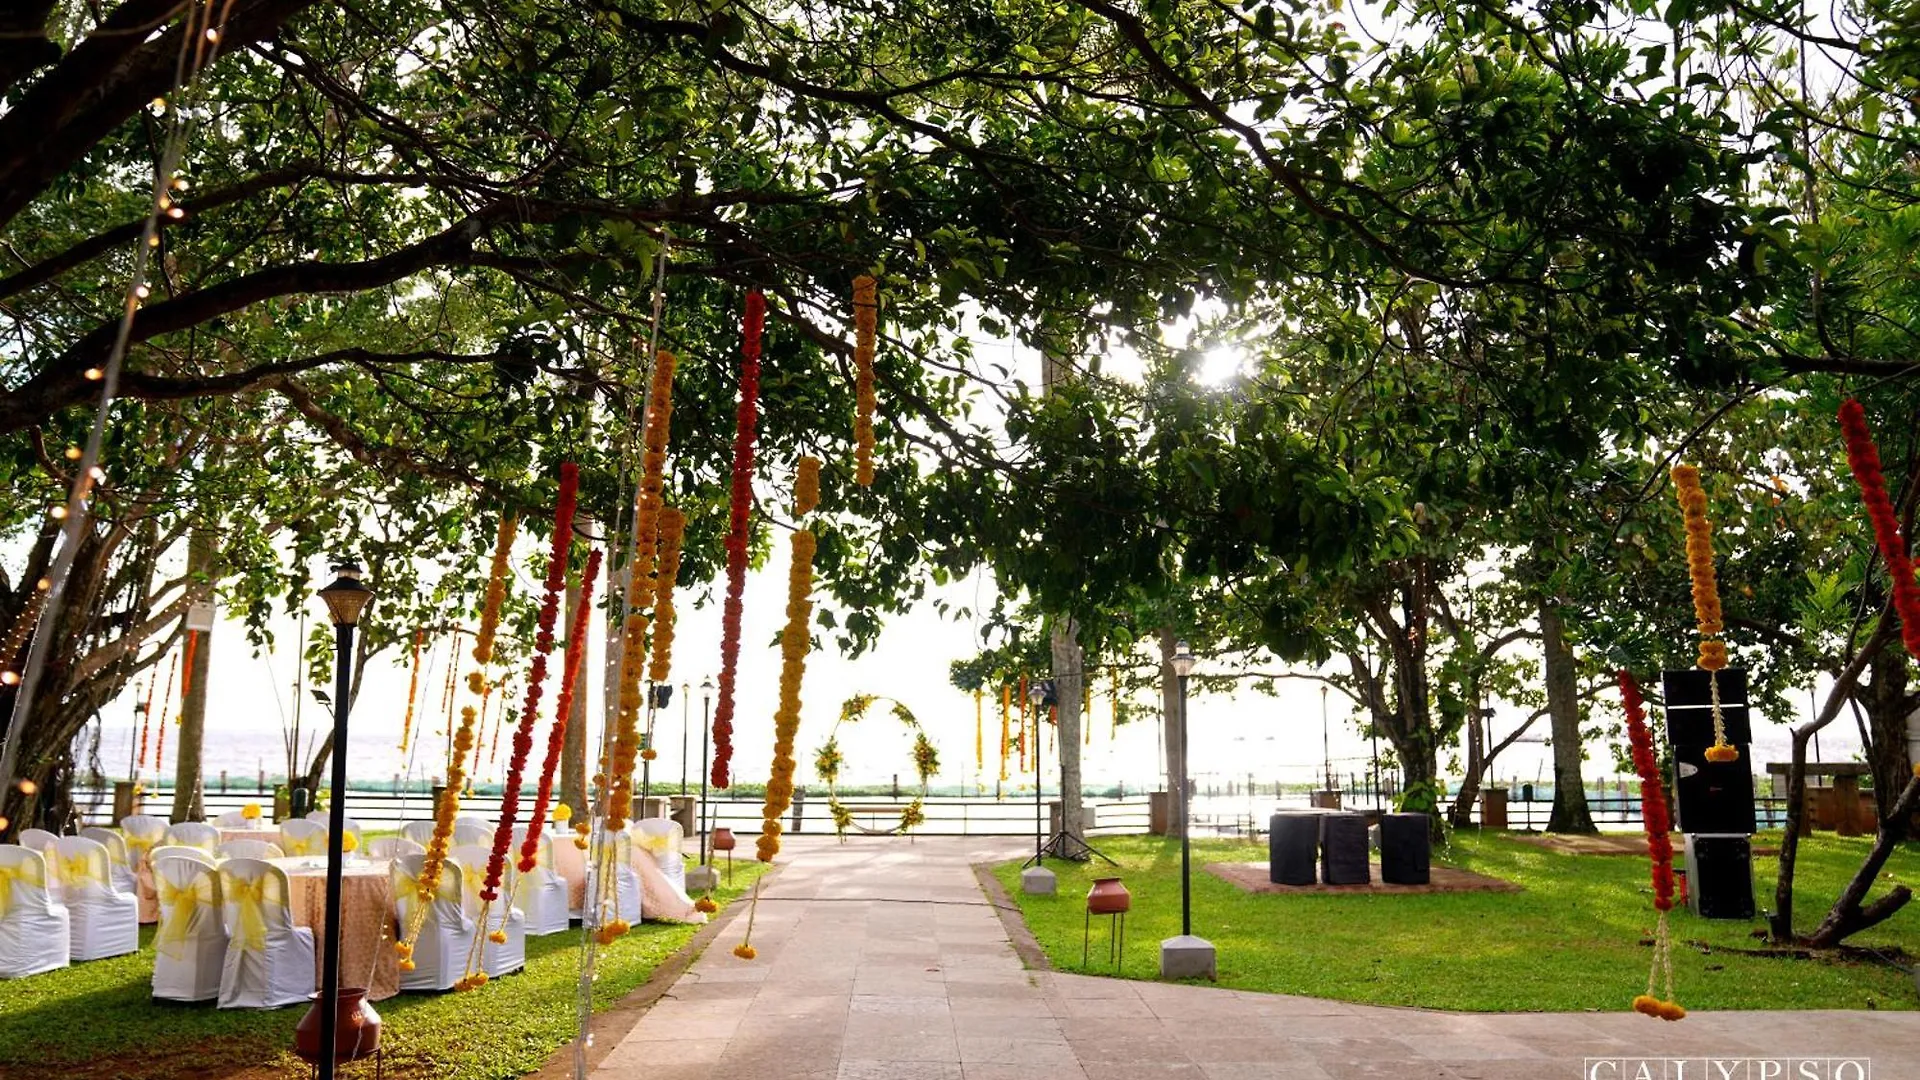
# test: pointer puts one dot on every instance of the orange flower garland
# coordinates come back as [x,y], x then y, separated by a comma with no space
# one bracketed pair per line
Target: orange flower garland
[1863,458]
[1658,823]
[413,689]
[866,317]
[646,523]
[794,645]
[1706,598]
[562,709]
[739,533]
[806,486]
[673,529]
[464,740]
[1006,736]
[979,731]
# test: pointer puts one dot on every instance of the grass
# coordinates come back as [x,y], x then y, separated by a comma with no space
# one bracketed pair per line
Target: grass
[1572,940]
[97,1020]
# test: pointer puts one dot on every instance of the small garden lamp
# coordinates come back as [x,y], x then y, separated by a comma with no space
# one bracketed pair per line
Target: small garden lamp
[1186,956]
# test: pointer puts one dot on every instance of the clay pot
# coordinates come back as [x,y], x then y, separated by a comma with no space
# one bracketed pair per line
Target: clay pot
[1108,897]
[356,1027]
[723,839]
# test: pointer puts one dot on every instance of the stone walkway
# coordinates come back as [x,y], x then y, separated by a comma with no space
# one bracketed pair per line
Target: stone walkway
[882,960]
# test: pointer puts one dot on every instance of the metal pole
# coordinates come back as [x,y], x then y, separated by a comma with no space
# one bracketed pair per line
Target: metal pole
[1186,823]
[336,829]
[1326,743]
[1039,811]
[686,704]
[706,699]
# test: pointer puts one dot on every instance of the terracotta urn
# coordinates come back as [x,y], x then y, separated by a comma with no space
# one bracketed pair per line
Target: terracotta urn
[723,839]
[356,1027]
[1108,897]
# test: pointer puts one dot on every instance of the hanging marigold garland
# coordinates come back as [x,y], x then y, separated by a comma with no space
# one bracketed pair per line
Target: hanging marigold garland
[166,704]
[413,690]
[562,709]
[979,734]
[795,642]
[186,687]
[464,740]
[673,529]
[633,634]
[1706,599]
[1863,457]
[739,533]
[1655,817]
[556,581]
[1006,734]
[866,318]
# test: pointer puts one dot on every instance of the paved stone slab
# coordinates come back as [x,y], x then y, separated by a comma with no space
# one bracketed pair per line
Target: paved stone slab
[882,960]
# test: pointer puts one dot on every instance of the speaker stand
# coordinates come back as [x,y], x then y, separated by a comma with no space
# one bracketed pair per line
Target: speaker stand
[1061,845]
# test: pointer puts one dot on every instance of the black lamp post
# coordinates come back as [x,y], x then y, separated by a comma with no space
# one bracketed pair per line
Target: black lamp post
[1182,667]
[1039,692]
[706,730]
[686,703]
[345,598]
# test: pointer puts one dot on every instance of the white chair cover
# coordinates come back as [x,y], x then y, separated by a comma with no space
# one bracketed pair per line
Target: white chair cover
[440,950]
[234,819]
[118,862]
[102,920]
[472,834]
[299,837]
[190,945]
[472,819]
[625,893]
[48,845]
[352,828]
[392,847]
[269,960]
[496,958]
[420,832]
[661,838]
[321,816]
[38,839]
[197,834]
[144,832]
[34,929]
[540,893]
[174,851]
[248,849]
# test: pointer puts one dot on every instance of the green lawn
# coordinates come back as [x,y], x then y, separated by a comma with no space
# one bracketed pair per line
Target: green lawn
[97,1020]
[1569,941]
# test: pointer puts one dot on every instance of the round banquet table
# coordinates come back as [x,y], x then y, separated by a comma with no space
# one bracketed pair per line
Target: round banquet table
[366,920]
[271,836]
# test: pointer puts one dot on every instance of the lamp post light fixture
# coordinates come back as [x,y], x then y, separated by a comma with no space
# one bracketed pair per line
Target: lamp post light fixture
[1037,880]
[345,598]
[1185,956]
[703,876]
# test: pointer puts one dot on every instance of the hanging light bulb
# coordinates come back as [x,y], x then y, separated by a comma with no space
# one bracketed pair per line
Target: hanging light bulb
[58,513]
[73,453]
[9,678]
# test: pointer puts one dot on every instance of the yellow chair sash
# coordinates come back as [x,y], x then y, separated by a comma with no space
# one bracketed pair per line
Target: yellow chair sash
[138,846]
[656,844]
[302,846]
[74,869]
[250,914]
[476,877]
[25,874]
[177,905]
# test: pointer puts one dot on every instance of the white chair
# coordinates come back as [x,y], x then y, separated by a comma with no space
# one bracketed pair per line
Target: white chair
[173,851]
[195,834]
[48,845]
[472,834]
[392,847]
[540,892]
[248,849]
[118,862]
[234,819]
[143,833]
[471,819]
[190,945]
[440,949]
[350,827]
[34,928]
[38,839]
[661,838]
[269,960]
[321,816]
[420,832]
[102,920]
[496,958]
[625,893]
[299,837]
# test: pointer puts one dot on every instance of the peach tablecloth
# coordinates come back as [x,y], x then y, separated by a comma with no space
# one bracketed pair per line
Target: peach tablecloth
[271,836]
[366,920]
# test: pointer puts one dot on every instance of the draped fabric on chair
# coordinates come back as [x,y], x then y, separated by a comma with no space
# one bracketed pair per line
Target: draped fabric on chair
[662,871]
[34,929]
[48,845]
[269,960]
[190,944]
[119,864]
[143,833]
[420,832]
[440,952]
[472,834]
[196,834]
[103,920]
[625,893]
[660,838]
[496,958]
[392,847]
[248,849]
[299,838]
[540,892]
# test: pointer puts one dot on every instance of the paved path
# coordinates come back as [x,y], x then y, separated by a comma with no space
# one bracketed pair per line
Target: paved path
[882,960]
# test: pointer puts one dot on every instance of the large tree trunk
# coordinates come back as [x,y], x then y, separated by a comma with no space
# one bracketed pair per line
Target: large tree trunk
[1172,720]
[188,776]
[1069,684]
[1460,814]
[1570,813]
[573,748]
[1850,913]
[1889,708]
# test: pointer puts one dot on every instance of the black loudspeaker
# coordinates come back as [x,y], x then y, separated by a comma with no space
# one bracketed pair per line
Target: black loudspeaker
[1720,877]
[1343,850]
[1406,851]
[1710,797]
[1292,842]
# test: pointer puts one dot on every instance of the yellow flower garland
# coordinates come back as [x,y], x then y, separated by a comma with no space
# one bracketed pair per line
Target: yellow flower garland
[979,744]
[1706,598]
[866,318]
[673,527]
[646,520]
[794,645]
[806,486]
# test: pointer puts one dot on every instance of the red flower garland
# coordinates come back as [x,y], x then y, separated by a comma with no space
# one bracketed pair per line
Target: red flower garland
[739,533]
[1653,794]
[543,644]
[1864,458]
[562,706]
